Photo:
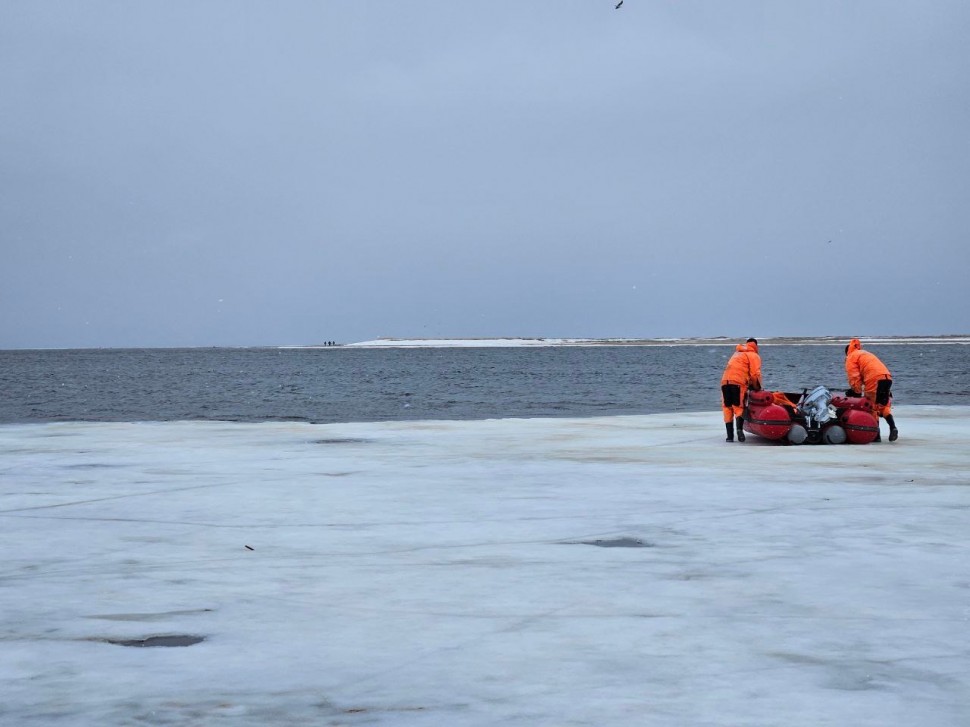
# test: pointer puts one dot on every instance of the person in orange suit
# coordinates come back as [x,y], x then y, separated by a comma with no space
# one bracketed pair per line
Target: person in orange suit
[743,371]
[869,375]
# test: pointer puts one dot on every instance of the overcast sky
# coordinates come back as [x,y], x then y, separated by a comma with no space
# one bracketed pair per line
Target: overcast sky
[227,172]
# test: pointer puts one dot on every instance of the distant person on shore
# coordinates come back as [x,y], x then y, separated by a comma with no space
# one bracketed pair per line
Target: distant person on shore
[743,372]
[869,377]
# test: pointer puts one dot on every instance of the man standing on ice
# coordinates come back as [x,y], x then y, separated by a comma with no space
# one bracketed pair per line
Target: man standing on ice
[868,374]
[743,371]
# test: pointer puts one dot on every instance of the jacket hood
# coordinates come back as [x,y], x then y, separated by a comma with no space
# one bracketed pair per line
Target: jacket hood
[752,346]
[854,345]
[740,348]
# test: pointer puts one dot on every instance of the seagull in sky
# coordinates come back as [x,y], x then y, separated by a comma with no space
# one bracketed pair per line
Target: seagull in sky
[618,5]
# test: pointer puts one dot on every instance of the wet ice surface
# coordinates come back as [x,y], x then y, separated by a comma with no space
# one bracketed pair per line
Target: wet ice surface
[432,573]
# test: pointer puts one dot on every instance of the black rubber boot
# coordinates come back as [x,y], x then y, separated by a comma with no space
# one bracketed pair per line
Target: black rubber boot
[878,435]
[893,433]
[740,429]
[730,431]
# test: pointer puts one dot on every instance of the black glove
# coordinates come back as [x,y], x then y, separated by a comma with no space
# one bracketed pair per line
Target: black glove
[855,394]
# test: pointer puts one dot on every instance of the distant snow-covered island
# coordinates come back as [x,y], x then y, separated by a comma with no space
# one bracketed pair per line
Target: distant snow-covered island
[714,341]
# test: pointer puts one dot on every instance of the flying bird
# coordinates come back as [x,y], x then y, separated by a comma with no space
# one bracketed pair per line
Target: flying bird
[618,5]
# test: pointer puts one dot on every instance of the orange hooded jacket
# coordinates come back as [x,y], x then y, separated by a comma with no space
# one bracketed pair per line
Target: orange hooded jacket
[744,367]
[864,369]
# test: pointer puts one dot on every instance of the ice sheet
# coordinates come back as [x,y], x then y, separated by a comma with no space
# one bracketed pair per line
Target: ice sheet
[604,571]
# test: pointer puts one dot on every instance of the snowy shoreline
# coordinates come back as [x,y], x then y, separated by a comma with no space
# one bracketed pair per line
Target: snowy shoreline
[512,342]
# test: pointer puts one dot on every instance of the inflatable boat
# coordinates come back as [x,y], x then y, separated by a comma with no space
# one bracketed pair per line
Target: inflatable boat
[815,416]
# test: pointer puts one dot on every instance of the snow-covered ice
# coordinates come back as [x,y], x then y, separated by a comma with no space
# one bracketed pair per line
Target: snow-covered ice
[603,571]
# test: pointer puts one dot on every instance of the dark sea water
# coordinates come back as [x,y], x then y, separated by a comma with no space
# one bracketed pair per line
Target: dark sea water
[358,384]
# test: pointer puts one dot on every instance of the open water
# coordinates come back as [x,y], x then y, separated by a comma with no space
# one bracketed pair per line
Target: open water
[358,384]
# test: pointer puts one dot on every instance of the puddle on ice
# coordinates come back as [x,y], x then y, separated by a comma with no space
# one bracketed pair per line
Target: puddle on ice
[618,543]
[177,640]
[341,440]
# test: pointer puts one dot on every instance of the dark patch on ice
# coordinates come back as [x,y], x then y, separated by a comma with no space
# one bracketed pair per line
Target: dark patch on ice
[362,710]
[693,576]
[618,543]
[92,466]
[176,640]
[341,440]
